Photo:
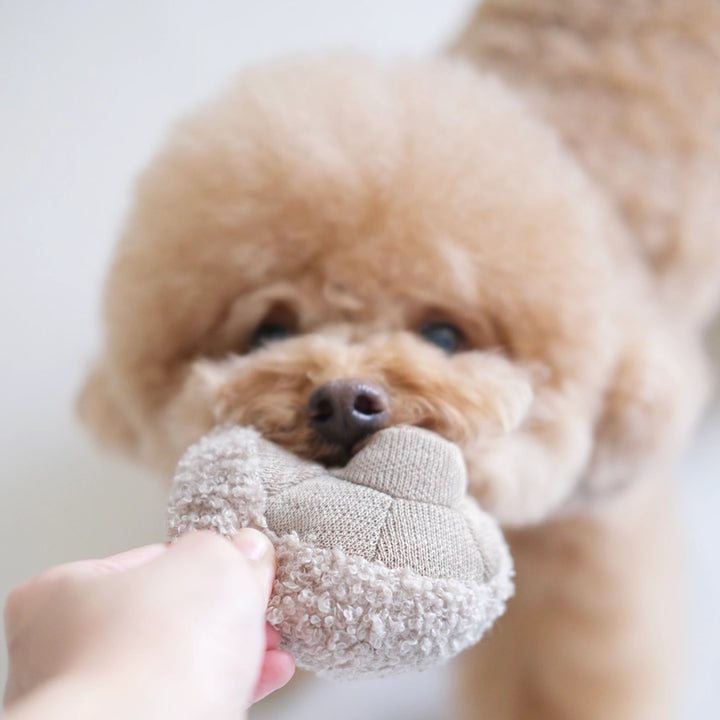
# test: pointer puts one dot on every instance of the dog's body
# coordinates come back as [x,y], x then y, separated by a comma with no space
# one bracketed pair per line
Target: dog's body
[424,235]
[632,87]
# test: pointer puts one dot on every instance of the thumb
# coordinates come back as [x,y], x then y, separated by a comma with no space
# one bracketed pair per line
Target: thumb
[260,552]
[110,565]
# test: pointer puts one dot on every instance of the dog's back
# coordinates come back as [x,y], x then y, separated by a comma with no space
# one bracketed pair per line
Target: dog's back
[633,86]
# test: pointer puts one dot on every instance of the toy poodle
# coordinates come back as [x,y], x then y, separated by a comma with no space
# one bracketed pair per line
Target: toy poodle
[515,245]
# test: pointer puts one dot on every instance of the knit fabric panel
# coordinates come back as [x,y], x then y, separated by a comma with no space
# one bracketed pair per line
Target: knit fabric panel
[330,514]
[432,540]
[408,465]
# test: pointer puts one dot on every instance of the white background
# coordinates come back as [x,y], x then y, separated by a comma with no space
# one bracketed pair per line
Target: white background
[86,91]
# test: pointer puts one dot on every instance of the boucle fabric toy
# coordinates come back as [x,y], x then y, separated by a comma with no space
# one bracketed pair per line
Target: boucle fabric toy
[384,565]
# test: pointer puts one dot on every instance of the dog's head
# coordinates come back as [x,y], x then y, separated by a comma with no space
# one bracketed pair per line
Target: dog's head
[334,246]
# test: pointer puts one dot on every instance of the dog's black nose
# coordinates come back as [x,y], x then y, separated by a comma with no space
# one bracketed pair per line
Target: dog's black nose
[346,411]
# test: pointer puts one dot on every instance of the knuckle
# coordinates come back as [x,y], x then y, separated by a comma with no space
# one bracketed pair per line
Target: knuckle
[204,540]
[219,565]
[215,550]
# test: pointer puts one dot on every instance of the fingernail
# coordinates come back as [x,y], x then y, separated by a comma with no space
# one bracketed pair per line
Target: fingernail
[253,544]
[260,552]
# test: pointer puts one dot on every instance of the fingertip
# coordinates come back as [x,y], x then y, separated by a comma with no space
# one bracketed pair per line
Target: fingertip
[277,670]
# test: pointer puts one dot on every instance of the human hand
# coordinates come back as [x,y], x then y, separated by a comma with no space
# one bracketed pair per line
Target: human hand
[171,628]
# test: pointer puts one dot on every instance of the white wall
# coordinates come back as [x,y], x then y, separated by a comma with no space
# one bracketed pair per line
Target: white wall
[86,90]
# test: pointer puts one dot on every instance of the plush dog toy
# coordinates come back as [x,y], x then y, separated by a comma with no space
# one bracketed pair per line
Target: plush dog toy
[383,565]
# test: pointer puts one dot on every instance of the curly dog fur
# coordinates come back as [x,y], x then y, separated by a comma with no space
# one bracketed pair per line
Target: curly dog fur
[551,191]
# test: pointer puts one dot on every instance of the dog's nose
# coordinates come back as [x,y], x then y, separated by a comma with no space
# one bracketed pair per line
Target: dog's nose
[348,410]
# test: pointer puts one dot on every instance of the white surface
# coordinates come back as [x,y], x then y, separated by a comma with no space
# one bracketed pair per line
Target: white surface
[86,90]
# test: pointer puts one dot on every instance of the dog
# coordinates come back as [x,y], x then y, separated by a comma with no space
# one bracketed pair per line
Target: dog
[514,245]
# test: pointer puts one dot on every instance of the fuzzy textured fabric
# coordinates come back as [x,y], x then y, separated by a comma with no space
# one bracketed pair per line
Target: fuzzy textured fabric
[383,566]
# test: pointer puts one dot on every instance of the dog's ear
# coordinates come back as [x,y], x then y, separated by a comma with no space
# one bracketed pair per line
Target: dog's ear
[649,407]
[100,409]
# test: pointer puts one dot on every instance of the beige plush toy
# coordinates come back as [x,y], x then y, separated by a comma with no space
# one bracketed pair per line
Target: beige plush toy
[384,565]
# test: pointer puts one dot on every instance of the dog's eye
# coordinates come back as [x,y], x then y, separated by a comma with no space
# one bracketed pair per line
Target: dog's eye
[280,322]
[268,332]
[445,335]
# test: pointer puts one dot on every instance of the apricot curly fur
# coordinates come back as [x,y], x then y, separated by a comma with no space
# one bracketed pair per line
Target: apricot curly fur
[558,206]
